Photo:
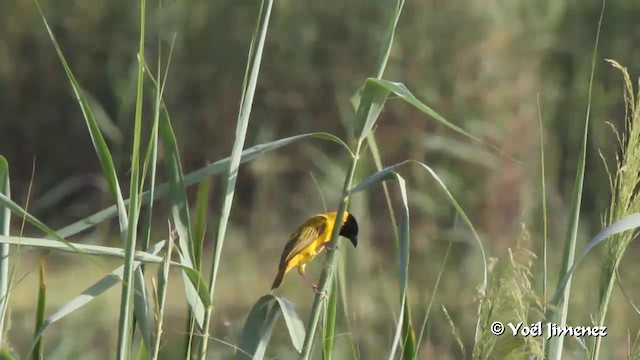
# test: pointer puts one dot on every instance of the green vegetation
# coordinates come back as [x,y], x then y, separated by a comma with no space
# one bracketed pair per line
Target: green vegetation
[460,219]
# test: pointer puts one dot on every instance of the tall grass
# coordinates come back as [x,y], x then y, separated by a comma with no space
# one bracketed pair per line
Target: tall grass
[625,200]
[505,290]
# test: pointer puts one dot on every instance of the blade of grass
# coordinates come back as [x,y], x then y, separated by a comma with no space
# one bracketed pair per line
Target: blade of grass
[106,162]
[259,325]
[555,344]
[329,325]
[86,249]
[294,323]
[195,177]
[5,222]
[257,330]
[248,90]
[403,326]
[101,148]
[161,294]
[400,90]
[91,293]
[627,223]
[38,350]
[433,297]
[373,145]
[181,219]
[387,174]
[544,216]
[126,300]
[200,226]
[7,203]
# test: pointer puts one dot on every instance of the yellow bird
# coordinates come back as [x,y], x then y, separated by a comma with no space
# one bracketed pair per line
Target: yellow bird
[309,240]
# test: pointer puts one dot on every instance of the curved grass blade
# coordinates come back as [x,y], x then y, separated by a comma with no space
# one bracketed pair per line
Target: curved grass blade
[259,325]
[5,221]
[257,330]
[92,292]
[130,287]
[177,195]
[100,146]
[7,203]
[629,222]
[38,349]
[197,176]
[373,99]
[371,103]
[389,173]
[295,326]
[199,284]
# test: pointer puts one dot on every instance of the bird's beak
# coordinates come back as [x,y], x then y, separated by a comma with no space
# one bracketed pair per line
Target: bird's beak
[354,241]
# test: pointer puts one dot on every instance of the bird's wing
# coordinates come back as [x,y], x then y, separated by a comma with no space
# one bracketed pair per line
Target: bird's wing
[306,234]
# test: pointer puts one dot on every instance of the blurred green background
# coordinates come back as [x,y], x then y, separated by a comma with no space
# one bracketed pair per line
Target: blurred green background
[484,65]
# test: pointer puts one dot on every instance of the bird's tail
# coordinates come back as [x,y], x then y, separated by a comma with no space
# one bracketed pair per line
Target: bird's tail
[278,279]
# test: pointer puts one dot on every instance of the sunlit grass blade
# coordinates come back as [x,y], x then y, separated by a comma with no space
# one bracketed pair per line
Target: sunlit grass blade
[92,292]
[391,31]
[129,288]
[379,87]
[329,325]
[555,344]
[197,176]
[371,103]
[408,334]
[38,348]
[8,204]
[161,293]
[5,222]
[85,249]
[246,102]
[629,222]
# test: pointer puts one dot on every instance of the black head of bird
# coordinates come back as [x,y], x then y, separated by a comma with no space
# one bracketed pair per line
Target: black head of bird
[350,230]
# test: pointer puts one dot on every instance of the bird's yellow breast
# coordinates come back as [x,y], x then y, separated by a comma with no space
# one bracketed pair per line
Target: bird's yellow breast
[308,253]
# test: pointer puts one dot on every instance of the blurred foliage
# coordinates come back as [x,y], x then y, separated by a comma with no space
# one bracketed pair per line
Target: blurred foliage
[481,64]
